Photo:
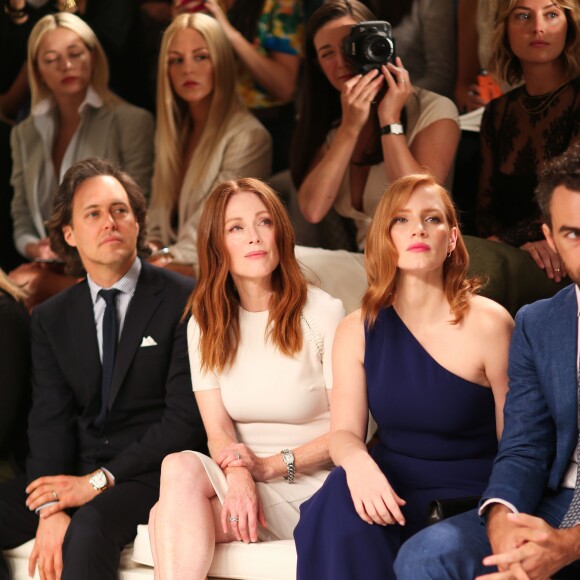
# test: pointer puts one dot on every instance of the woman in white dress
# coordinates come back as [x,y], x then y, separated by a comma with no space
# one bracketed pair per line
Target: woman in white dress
[260,342]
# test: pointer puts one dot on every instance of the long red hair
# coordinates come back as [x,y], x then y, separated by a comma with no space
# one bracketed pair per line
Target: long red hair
[381,256]
[215,303]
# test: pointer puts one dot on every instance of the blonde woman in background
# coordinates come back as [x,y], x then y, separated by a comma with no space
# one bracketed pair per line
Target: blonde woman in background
[74,116]
[536,43]
[267,37]
[204,134]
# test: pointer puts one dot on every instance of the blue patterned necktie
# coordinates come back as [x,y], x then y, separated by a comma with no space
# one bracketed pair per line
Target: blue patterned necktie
[572,516]
[110,332]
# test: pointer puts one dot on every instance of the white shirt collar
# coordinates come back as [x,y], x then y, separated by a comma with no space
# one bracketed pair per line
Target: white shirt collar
[127,284]
[46,106]
[577,297]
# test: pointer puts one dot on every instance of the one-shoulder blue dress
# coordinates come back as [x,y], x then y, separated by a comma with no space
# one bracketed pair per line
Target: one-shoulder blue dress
[437,440]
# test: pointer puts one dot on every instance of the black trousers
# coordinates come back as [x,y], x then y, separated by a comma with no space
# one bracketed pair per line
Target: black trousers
[97,533]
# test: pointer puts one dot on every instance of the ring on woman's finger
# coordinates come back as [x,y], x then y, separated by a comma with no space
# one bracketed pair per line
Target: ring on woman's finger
[237,456]
[55,495]
[403,81]
[234,519]
[556,269]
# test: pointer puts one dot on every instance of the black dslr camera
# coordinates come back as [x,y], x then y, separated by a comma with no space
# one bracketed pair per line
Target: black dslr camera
[369,45]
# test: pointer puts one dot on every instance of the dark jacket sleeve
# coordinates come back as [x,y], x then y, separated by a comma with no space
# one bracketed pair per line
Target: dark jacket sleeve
[52,419]
[14,368]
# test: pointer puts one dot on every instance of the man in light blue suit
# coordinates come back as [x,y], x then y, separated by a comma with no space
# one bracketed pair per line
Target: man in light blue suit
[537,464]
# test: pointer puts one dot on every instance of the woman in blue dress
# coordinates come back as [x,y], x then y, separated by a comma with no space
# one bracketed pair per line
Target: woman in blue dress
[428,358]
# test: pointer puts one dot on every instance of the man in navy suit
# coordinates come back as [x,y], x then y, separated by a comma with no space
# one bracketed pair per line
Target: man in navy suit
[111,385]
[530,532]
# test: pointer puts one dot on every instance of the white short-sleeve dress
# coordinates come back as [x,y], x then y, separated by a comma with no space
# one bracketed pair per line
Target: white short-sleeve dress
[276,401]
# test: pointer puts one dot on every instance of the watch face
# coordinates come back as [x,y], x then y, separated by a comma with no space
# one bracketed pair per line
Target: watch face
[288,457]
[99,480]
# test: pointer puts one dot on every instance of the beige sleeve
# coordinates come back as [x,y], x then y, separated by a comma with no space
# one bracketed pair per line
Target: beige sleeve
[248,154]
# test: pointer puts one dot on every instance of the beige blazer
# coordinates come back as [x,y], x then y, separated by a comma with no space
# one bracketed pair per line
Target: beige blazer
[244,151]
[123,134]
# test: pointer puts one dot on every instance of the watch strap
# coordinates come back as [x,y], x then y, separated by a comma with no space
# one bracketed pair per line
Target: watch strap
[288,457]
[393,129]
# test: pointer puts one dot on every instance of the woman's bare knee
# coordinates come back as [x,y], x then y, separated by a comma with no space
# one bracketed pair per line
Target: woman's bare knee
[186,469]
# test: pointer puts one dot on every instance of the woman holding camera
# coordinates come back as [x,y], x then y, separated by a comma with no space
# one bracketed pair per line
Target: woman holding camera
[356,131]
[439,410]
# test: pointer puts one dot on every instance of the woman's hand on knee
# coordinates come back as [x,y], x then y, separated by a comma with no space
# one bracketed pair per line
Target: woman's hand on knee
[374,499]
[242,509]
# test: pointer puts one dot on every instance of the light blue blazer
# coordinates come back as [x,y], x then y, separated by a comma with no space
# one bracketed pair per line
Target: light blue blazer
[540,413]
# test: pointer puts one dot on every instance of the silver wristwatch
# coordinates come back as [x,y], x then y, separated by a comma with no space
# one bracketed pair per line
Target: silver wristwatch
[288,458]
[98,480]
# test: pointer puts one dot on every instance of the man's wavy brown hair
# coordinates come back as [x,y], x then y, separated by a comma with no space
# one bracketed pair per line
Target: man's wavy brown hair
[62,208]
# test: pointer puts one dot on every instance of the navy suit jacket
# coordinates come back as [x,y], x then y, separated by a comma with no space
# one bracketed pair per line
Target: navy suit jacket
[540,414]
[151,406]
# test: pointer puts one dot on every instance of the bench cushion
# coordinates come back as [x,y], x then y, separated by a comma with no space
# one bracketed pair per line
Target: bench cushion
[261,561]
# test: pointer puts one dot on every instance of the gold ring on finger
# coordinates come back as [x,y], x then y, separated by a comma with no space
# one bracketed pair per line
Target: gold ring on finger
[55,495]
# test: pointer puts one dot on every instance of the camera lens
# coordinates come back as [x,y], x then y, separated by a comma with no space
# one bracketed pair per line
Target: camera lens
[378,49]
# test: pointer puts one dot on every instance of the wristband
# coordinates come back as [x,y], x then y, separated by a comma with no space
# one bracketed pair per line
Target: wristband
[393,129]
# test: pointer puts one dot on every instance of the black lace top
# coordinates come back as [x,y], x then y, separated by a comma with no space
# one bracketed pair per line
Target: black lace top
[518,133]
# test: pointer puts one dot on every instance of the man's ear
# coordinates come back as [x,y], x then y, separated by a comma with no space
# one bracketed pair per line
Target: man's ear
[549,238]
[69,235]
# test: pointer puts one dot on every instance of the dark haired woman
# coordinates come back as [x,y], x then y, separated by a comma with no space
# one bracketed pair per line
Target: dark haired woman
[536,42]
[357,132]
[260,342]
[266,36]
[439,410]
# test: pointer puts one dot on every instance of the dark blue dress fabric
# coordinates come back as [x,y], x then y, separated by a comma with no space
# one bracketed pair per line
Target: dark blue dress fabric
[437,440]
